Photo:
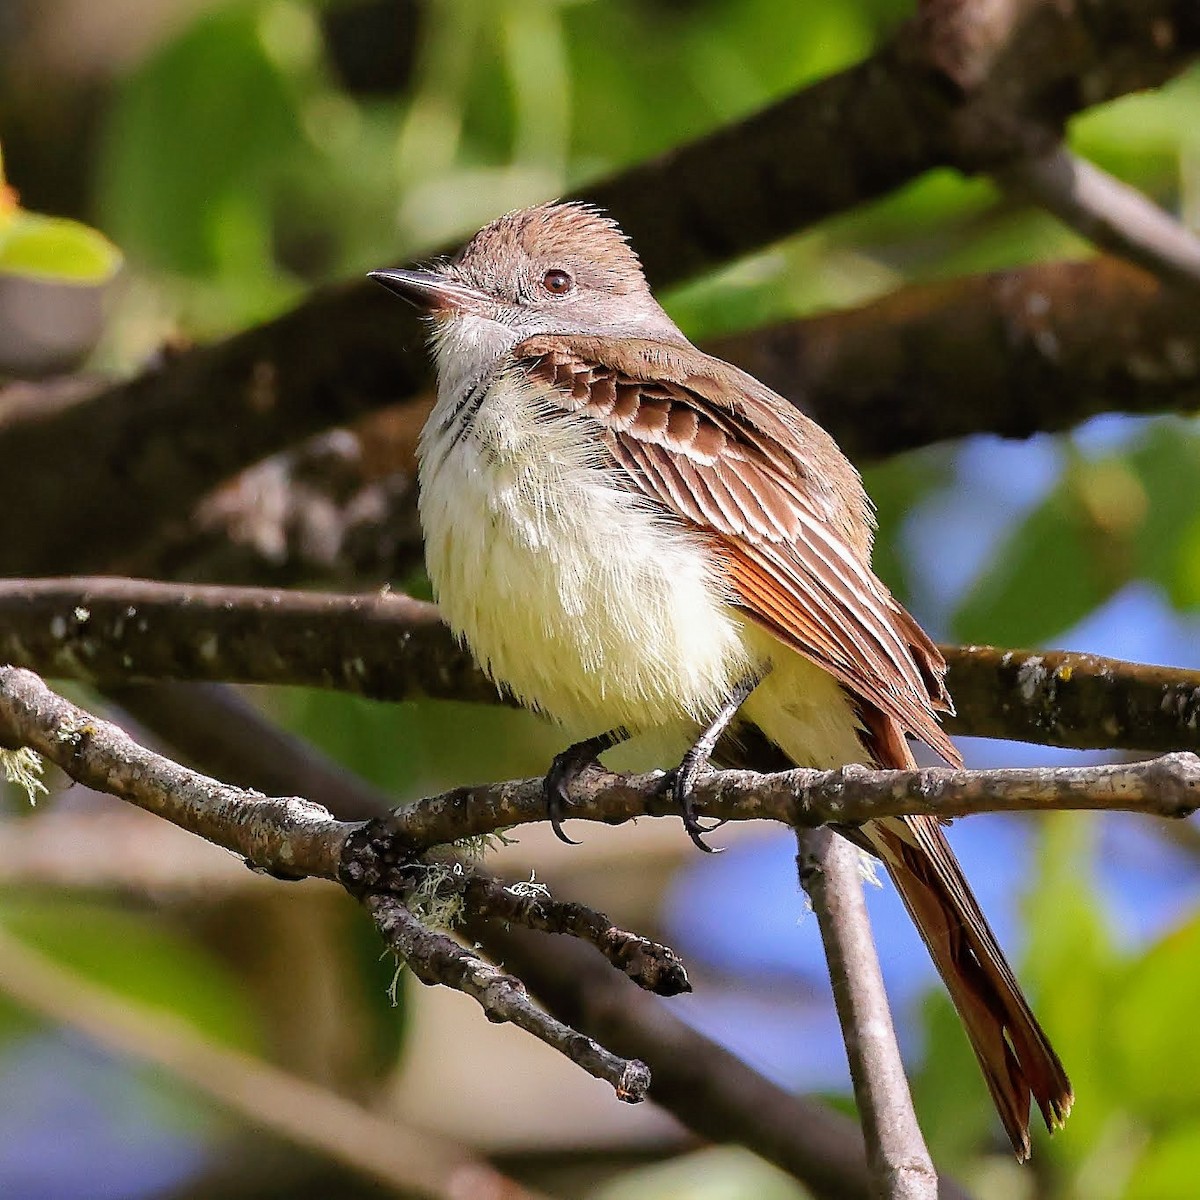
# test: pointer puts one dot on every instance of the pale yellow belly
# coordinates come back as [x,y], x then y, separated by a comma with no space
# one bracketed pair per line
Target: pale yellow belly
[595,609]
[575,597]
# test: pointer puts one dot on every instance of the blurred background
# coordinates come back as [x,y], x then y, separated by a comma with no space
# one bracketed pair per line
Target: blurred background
[208,163]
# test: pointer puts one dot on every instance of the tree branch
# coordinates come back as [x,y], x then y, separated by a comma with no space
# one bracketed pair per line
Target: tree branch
[1063,698]
[901,1168]
[1038,349]
[708,1089]
[146,451]
[1164,787]
[438,958]
[651,965]
[1109,213]
[391,647]
[288,836]
[341,506]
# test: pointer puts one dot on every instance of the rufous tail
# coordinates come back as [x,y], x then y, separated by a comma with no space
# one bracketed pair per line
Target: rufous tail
[1017,1059]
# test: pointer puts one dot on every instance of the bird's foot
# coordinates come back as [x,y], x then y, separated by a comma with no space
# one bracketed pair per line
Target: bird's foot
[681,783]
[565,770]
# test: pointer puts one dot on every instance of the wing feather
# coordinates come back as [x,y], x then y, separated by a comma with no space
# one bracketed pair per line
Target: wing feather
[785,510]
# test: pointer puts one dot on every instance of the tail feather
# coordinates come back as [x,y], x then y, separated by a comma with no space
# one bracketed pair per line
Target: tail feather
[1017,1060]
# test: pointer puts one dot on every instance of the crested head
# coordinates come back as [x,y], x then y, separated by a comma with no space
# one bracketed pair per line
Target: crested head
[554,268]
[513,254]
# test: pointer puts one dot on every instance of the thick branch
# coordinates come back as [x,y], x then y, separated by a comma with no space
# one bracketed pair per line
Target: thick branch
[1163,787]
[1061,698]
[145,452]
[391,647]
[333,508]
[289,836]
[1038,349]
[901,1168]
[118,631]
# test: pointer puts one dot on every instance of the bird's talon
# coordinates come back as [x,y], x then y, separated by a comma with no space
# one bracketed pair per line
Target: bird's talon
[683,781]
[566,768]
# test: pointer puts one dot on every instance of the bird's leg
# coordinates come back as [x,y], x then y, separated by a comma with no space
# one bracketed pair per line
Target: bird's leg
[567,767]
[684,777]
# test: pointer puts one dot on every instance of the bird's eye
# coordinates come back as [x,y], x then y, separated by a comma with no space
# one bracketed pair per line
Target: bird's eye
[557,283]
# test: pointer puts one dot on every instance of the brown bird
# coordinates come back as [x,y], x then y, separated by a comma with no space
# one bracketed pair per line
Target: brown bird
[635,538]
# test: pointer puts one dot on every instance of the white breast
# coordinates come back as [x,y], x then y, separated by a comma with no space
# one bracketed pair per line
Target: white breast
[571,591]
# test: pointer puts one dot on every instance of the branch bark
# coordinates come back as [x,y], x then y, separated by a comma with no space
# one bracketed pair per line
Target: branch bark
[1038,349]
[1109,213]
[950,89]
[1164,787]
[116,632]
[708,1089]
[901,1168]
[438,958]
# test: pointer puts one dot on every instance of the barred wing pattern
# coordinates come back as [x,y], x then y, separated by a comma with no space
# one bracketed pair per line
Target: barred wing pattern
[715,447]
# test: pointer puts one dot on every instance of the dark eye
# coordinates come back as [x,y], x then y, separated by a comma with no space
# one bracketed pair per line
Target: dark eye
[557,283]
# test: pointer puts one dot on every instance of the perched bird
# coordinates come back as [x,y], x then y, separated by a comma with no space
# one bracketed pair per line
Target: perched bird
[633,536]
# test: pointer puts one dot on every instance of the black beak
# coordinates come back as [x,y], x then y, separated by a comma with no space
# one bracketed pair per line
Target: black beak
[429,291]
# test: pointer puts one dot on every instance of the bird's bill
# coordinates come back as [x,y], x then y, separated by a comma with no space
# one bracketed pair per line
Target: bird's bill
[429,291]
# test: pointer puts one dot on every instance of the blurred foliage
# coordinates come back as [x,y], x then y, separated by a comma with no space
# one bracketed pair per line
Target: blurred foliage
[1113,517]
[254,149]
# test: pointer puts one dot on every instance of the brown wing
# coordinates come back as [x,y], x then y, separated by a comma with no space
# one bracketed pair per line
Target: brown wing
[786,510]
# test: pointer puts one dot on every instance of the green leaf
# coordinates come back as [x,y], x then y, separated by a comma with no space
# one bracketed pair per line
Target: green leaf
[374,969]
[1066,558]
[896,487]
[1153,1012]
[715,1173]
[1068,969]
[951,1101]
[1167,464]
[55,248]
[136,957]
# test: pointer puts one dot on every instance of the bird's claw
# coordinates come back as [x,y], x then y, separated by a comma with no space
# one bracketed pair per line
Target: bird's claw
[681,783]
[566,768]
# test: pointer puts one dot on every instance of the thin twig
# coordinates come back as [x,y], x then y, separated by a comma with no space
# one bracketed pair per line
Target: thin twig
[112,632]
[437,958]
[901,1168]
[1109,213]
[651,965]
[257,1092]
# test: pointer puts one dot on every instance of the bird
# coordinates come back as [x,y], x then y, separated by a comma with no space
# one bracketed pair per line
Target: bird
[636,538]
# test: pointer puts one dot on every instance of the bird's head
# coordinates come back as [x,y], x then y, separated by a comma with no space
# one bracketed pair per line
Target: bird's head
[554,268]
